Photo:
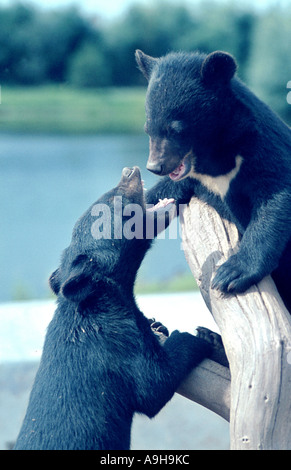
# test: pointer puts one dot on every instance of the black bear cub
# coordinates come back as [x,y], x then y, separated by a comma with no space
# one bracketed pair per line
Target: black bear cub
[101,361]
[211,137]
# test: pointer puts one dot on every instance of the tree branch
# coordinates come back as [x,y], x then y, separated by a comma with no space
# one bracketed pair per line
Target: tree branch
[256,332]
[209,385]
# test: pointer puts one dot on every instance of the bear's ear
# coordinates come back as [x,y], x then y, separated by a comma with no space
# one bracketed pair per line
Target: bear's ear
[218,69]
[81,281]
[55,281]
[145,63]
[77,287]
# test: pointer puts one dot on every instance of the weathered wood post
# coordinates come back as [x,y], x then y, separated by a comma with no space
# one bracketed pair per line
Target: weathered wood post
[256,332]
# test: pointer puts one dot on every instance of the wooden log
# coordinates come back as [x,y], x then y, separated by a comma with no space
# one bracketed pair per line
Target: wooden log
[256,332]
[209,385]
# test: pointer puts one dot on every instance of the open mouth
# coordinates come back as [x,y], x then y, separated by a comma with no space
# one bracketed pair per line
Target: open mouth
[182,170]
[130,173]
[135,175]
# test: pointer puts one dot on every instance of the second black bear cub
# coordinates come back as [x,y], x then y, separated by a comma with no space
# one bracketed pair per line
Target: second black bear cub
[101,361]
[215,139]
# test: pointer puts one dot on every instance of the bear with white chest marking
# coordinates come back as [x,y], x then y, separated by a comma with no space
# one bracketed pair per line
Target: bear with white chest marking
[211,137]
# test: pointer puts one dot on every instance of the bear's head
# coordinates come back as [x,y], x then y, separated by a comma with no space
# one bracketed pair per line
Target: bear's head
[189,112]
[109,241]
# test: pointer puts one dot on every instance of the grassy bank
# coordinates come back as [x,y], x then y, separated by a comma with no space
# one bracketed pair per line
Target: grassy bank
[60,109]
[183,282]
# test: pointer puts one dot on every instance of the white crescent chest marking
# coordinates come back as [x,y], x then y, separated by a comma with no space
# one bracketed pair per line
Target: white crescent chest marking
[218,184]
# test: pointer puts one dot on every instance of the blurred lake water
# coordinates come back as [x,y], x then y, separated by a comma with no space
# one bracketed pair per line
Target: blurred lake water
[46,183]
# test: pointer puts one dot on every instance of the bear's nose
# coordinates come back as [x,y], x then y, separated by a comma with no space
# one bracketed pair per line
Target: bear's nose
[127,172]
[155,168]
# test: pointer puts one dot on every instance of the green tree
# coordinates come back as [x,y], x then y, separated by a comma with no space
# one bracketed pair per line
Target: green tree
[269,68]
[151,28]
[89,67]
[220,27]
[64,32]
[36,46]
[20,58]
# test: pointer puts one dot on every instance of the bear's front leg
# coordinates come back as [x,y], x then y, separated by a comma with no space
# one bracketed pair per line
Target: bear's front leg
[171,363]
[260,249]
[180,191]
[159,330]
[237,275]
[218,351]
[189,351]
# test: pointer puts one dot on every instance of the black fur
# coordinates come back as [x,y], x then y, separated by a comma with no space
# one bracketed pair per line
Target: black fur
[101,361]
[200,118]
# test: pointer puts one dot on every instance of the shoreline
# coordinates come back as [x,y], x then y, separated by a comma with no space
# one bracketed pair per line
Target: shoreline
[24,323]
[61,109]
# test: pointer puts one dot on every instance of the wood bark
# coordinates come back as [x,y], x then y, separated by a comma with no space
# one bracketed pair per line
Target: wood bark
[256,332]
[209,385]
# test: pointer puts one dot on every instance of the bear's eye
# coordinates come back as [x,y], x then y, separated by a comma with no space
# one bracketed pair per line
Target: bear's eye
[176,127]
[80,259]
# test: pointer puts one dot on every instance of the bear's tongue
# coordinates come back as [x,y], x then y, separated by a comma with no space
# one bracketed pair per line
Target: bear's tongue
[178,172]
